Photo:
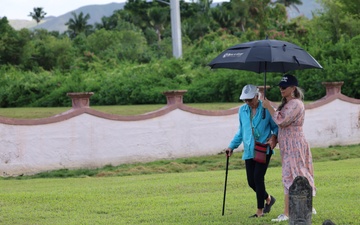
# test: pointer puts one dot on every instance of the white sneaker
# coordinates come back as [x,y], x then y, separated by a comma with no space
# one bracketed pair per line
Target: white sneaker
[280,218]
[314,211]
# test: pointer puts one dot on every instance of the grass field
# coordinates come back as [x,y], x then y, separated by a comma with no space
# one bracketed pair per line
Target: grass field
[181,191]
[172,198]
[125,110]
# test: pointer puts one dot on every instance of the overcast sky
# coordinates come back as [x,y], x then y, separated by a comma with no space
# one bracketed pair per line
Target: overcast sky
[20,9]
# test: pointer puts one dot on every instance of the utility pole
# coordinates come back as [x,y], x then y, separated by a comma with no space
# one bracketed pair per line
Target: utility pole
[175,27]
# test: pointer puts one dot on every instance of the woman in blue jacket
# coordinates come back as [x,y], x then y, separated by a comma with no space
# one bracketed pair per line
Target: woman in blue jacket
[253,127]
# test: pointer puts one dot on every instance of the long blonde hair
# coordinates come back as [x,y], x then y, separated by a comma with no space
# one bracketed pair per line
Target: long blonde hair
[298,94]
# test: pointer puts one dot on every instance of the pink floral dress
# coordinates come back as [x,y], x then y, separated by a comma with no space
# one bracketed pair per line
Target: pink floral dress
[294,149]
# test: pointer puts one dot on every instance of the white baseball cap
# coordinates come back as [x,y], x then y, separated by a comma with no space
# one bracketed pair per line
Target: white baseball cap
[249,92]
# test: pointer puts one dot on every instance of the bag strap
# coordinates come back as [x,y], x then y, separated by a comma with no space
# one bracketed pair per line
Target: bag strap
[252,130]
[252,127]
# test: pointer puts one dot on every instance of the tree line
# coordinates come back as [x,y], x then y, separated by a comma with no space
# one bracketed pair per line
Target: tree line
[127,57]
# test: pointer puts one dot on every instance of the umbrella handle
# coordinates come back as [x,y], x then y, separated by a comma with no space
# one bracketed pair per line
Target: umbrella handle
[263,114]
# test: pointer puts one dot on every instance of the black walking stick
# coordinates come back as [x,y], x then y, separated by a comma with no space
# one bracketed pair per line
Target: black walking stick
[226,174]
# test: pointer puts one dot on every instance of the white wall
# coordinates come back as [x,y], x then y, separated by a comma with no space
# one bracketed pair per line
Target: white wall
[335,123]
[87,138]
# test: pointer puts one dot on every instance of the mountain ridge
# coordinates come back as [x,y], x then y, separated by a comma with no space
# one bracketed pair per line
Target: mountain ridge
[97,11]
[57,23]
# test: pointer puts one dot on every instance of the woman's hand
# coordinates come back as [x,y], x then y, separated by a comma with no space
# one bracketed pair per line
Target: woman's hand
[272,141]
[228,152]
[266,103]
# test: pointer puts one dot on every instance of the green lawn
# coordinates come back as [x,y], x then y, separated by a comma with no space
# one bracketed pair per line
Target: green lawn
[172,198]
[125,110]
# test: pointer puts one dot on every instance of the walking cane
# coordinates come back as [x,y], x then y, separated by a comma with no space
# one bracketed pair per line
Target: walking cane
[226,174]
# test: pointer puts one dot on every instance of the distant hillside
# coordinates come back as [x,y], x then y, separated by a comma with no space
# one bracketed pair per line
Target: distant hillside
[19,24]
[306,9]
[96,12]
[52,23]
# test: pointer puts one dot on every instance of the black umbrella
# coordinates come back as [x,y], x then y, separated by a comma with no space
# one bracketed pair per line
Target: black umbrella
[265,56]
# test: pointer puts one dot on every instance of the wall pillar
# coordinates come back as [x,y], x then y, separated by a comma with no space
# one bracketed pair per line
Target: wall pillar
[261,89]
[332,88]
[174,97]
[80,99]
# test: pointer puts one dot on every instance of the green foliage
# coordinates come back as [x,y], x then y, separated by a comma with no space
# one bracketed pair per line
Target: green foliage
[340,18]
[57,91]
[349,6]
[17,89]
[341,62]
[139,84]
[11,43]
[209,47]
[127,59]
[214,87]
[50,53]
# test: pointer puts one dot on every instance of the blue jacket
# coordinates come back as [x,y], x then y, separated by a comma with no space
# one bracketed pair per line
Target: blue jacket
[263,129]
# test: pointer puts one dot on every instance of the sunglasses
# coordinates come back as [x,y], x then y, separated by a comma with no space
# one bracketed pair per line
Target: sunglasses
[283,88]
[248,100]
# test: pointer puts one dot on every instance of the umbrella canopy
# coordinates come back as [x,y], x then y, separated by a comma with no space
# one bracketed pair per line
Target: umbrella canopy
[265,56]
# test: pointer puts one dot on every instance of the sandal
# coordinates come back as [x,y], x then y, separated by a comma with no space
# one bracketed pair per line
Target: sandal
[256,216]
[267,207]
[280,218]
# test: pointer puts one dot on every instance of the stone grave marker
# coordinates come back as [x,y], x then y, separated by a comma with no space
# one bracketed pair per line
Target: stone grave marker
[300,202]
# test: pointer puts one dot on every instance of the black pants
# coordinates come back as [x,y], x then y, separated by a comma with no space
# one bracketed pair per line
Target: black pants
[255,173]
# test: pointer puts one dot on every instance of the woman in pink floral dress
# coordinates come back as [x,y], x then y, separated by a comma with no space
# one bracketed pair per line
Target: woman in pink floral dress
[294,149]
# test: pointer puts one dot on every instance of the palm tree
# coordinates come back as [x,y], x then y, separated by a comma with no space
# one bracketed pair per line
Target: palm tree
[223,17]
[158,16]
[205,6]
[105,23]
[78,24]
[290,3]
[38,14]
